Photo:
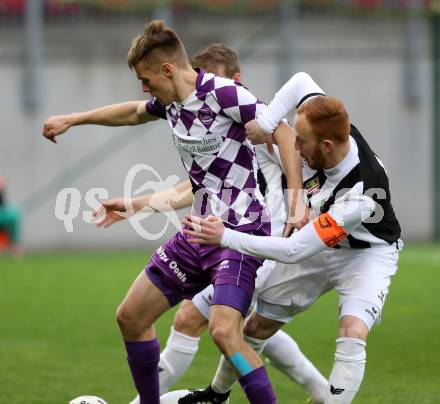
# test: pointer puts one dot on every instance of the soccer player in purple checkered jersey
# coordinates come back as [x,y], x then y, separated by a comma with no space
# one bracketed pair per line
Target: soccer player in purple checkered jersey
[192,319]
[207,116]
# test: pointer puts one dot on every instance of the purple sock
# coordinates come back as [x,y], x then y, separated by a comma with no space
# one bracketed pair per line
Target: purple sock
[143,359]
[257,387]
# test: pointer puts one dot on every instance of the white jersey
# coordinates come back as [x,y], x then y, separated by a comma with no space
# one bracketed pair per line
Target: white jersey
[341,248]
[357,184]
[351,201]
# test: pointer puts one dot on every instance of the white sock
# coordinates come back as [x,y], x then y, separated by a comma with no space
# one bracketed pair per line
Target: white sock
[348,370]
[226,376]
[256,344]
[176,358]
[284,354]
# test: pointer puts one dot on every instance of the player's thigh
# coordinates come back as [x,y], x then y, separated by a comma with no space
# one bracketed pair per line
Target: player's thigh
[189,320]
[143,304]
[291,289]
[234,280]
[362,281]
[257,326]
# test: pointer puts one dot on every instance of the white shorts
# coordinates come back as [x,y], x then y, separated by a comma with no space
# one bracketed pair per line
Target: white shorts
[203,299]
[360,276]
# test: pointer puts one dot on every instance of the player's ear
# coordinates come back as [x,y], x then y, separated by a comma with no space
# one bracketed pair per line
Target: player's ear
[167,70]
[237,77]
[328,145]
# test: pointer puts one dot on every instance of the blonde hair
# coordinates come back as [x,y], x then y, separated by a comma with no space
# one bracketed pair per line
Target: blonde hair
[218,54]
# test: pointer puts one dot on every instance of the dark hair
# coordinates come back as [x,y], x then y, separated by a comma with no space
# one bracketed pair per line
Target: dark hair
[327,117]
[218,54]
[157,37]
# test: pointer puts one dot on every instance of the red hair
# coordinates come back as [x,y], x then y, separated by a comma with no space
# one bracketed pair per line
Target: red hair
[327,117]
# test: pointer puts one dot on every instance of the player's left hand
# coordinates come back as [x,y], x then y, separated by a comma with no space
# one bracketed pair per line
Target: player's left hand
[204,231]
[292,226]
[258,136]
[297,220]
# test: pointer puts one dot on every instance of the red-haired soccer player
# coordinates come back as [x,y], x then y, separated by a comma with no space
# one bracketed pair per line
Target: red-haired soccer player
[351,245]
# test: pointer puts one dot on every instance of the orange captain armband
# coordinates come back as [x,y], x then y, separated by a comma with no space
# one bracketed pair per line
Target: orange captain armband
[328,230]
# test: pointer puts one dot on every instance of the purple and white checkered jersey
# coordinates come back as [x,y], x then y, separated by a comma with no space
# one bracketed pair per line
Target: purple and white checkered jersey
[208,131]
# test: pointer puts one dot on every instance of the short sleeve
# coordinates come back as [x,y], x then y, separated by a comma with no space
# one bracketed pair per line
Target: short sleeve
[155,108]
[236,101]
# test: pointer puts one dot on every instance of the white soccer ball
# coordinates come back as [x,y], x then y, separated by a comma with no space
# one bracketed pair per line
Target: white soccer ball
[88,400]
[172,397]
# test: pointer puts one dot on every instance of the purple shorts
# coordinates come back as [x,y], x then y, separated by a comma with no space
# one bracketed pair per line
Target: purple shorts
[181,269]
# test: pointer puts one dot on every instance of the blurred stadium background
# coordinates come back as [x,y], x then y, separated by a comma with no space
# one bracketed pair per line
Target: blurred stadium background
[58,338]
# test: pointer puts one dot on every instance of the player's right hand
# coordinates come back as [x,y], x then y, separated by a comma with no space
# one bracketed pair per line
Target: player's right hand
[109,212]
[204,231]
[256,135]
[55,126]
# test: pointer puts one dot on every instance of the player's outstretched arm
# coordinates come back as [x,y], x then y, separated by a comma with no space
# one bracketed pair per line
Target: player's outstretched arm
[110,211]
[299,246]
[126,113]
[115,210]
[178,197]
[348,212]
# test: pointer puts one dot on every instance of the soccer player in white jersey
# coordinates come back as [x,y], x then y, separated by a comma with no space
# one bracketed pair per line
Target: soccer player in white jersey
[192,318]
[207,115]
[351,245]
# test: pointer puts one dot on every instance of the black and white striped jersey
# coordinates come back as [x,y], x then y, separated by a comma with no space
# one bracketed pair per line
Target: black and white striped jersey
[360,173]
[350,203]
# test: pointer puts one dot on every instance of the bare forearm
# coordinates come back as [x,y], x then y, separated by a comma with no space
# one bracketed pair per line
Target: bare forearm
[295,195]
[175,198]
[127,113]
[284,137]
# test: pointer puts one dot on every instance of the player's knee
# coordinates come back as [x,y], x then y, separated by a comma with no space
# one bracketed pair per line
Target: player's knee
[224,337]
[260,328]
[125,317]
[189,321]
[354,330]
[251,328]
[218,333]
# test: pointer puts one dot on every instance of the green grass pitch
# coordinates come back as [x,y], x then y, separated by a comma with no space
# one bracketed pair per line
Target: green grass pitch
[59,339]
